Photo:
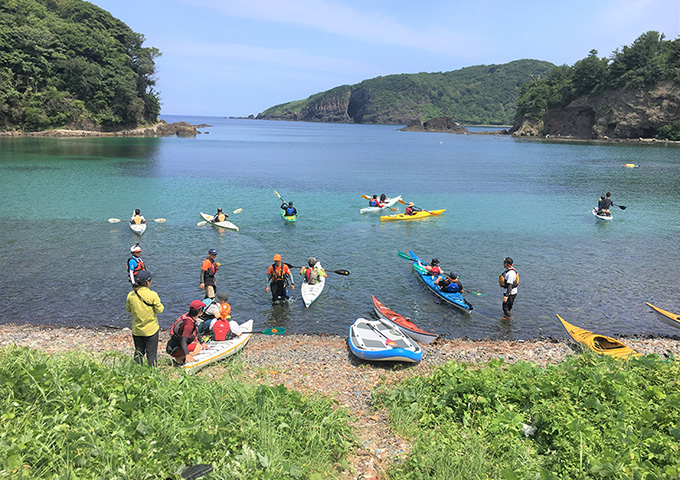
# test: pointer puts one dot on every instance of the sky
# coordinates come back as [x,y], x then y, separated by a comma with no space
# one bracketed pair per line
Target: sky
[240,57]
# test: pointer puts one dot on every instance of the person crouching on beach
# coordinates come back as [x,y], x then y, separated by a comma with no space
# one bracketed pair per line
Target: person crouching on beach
[144,304]
[185,341]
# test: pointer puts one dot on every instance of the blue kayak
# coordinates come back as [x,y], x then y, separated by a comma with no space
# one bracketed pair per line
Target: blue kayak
[455,299]
[382,341]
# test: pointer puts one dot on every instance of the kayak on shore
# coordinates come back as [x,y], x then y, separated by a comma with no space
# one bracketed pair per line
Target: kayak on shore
[388,204]
[381,340]
[600,344]
[226,224]
[456,299]
[668,317]
[219,350]
[406,325]
[416,216]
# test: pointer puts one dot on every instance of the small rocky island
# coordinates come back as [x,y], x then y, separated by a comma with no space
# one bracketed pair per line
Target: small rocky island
[445,125]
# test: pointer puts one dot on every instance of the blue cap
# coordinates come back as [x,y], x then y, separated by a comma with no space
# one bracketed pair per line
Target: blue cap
[212,251]
[453,274]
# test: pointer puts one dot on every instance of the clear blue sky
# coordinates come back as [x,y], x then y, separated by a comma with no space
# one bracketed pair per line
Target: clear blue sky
[239,57]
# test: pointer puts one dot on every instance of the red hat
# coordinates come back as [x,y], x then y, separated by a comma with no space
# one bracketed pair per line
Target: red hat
[196,305]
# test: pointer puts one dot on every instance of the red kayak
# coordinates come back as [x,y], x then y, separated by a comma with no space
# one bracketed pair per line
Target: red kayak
[409,328]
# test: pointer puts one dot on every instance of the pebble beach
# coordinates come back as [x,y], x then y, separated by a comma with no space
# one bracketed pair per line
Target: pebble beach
[323,365]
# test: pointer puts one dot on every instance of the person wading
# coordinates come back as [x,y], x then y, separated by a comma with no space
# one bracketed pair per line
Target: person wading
[278,279]
[208,271]
[508,280]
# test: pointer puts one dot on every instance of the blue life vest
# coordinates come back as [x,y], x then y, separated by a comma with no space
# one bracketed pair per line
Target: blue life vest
[290,211]
[451,287]
[373,203]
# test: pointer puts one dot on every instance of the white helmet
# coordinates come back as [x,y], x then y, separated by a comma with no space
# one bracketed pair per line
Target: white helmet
[135,248]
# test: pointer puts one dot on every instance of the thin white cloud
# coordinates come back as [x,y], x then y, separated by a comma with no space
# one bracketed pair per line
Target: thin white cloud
[339,19]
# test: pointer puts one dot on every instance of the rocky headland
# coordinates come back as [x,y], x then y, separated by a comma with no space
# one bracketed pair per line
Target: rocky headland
[160,129]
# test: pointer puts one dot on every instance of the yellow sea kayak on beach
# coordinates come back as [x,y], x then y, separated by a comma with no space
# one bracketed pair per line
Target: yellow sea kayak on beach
[416,216]
[598,343]
[673,317]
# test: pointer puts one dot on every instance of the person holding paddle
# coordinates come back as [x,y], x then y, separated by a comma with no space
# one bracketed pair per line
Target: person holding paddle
[606,205]
[288,210]
[412,209]
[144,305]
[450,284]
[278,279]
[220,216]
[312,273]
[137,218]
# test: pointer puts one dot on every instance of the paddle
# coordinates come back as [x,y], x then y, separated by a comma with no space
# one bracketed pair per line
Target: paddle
[431,213]
[117,220]
[339,272]
[388,341]
[279,196]
[200,224]
[622,207]
[270,331]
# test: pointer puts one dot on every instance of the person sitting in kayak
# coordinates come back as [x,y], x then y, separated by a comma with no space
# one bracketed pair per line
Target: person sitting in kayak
[383,198]
[219,216]
[216,319]
[450,284]
[185,341]
[137,218]
[433,268]
[374,202]
[288,210]
[312,273]
[599,204]
[278,279]
[412,209]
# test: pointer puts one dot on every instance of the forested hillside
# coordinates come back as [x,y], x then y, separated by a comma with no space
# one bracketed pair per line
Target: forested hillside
[482,94]
[70,63]
[633,93]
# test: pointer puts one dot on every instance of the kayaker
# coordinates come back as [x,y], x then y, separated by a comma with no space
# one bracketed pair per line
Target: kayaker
[144,305]
[374,202]
[412,209]
[606,204]
[383,198]
[216,319]
[208,271]
[599,204]
[219,216]
[135,264]
[288,209]
[278,279]
[433,268]
[137,218]
[508,280]
[185,341]
[451,284]
[312,273]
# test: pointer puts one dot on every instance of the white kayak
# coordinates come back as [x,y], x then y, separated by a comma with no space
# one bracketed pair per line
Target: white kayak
[389,204]
[138,228]
[381,340]
[217,351]
[312,292]
[226,224]
[602,217]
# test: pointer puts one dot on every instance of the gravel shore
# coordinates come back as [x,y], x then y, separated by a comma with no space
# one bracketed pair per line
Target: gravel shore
[323,365]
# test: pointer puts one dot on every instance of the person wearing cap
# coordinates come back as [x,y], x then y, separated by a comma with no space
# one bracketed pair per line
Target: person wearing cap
[312,273]
[278,279]
[208,271]
[135,264]
[144,305]
[185,341]
[433,268]
[288,210]
[219,216]
[412,209]
[508,280]
[137,218]
[451,284]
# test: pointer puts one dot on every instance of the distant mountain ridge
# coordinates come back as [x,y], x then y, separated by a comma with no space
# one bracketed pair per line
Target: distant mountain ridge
[481,94]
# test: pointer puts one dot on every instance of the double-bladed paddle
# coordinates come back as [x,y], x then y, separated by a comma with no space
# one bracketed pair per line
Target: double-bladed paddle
[117,220]
[388,341]
[431,213]
[200,224]
[339,272]
[270,331]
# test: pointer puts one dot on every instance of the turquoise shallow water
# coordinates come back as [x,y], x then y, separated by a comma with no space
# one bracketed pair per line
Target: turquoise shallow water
[63,263]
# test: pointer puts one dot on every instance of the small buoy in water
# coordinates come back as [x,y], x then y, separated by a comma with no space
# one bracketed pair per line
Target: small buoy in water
[630,165]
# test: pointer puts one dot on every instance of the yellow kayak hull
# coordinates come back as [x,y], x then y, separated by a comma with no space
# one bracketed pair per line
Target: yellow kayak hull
[599,344]
[674,318]
[415,216]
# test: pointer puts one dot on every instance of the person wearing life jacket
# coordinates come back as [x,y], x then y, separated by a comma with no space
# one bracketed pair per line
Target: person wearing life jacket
[216,320]
[374,202]
[144,305]
[137,218]
[208,271]
[508,280]
[135,264]
[433,268]
[288,209]
[185,341]
[412,209]
[312,273]
[451,284]
[383,198]
[219,216]
[278,279]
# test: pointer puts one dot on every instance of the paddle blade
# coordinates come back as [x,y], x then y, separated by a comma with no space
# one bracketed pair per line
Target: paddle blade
[405,256]
[365,196]
[389,342]
[271,331]
[114,220]
[159,220]
[200,224]
[402,202]
[341,272]
[420,269]
[277,194]
[238,210]
[622,207]
[479,294]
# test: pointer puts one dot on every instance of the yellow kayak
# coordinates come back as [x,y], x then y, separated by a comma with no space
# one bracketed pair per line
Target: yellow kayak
[675,319]
[598,343]
[416,216]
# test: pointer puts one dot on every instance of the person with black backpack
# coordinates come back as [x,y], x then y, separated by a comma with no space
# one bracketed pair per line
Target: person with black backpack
[144,305]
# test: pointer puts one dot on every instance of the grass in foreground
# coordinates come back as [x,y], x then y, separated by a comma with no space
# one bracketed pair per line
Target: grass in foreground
[588,417]
[69,416]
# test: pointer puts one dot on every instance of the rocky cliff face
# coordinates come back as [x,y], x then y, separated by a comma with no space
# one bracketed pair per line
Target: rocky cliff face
[623,113]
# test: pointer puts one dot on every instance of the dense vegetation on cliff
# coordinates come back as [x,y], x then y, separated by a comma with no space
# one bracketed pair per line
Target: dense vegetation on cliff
[482,94]
[641,66]
[70,63]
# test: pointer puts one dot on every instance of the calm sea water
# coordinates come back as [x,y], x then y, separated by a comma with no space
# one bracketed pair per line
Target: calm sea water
[64,264]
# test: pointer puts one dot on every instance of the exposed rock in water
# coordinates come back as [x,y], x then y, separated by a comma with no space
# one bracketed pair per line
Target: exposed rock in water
[438,124]
[617,114]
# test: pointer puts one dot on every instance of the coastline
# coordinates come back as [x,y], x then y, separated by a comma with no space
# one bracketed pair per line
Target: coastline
[323,365]
[160,129]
